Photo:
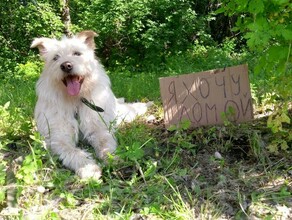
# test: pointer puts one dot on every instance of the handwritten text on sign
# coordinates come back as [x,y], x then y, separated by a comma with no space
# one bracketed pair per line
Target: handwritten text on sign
[202,97]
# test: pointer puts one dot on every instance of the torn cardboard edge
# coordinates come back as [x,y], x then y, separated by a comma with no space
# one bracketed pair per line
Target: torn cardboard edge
[207,98]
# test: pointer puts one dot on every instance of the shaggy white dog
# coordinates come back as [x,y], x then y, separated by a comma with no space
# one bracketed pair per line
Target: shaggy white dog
[74,94]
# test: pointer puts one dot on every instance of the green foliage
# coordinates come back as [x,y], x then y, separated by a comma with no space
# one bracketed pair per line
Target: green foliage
[267,27]
[18,89]
[132,153]
[279,123]
[139,30]
[27,172]
[13,124]
[28,71]
[32,163]
[20,23]
[228,116]
[181,138]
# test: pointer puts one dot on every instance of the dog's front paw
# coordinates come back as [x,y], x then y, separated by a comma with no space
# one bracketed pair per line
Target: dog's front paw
[107,146]
[89,171]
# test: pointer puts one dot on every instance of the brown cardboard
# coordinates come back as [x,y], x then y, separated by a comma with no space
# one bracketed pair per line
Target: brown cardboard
[202,97]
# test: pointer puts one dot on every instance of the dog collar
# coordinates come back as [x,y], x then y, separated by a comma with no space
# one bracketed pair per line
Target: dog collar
[91,105]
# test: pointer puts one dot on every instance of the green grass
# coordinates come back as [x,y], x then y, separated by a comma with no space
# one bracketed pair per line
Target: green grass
[161,175]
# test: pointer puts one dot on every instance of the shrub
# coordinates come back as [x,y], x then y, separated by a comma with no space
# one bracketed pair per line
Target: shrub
[139,30]
[20,23]
[267,27]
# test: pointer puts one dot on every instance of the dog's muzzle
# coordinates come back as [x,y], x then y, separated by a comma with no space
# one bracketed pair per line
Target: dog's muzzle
[72,81]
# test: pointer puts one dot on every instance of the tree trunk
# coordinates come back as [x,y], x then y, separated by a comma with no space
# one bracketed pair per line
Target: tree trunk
[66,18]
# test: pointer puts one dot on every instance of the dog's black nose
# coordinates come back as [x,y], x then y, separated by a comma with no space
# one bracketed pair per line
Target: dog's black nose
[66,66]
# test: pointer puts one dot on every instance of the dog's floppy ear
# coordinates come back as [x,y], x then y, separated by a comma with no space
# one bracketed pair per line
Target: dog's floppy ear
[41,44]
[88,38]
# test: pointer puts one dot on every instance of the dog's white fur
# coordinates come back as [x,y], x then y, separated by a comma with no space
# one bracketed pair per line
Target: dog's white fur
[59,112]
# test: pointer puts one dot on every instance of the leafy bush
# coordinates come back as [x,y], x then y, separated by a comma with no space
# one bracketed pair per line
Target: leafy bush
[282,135]
[139,30]
[19,24]
[267,27]
[29,70]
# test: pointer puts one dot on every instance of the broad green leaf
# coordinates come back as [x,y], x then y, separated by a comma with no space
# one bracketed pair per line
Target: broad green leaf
[256,6]
[287,34]
[260,24]
[285,118]
[220,10]
[241,5]
[277,53]
[135,152]
[260,65]
[280,2]
[257,40]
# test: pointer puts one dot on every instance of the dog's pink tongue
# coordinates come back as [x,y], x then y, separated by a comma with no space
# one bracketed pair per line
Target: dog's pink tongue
[73,86]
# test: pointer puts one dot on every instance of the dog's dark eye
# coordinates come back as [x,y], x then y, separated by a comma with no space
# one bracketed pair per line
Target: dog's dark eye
[56,57]
[76,53]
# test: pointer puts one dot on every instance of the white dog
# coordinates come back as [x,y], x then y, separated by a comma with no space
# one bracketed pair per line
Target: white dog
[74,94]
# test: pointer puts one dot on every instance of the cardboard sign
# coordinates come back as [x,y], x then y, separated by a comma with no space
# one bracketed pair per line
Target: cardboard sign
[207,98]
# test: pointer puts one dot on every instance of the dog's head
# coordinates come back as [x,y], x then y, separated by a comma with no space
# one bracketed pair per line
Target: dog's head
[69,62]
